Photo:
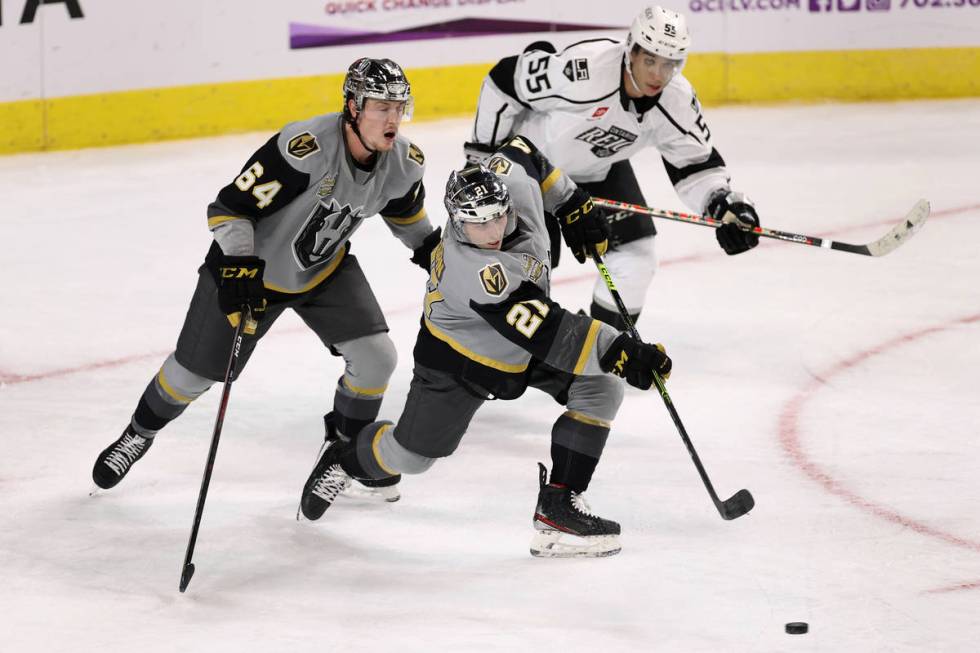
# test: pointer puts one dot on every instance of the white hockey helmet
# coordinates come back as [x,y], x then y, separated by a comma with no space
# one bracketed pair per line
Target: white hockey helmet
[661,32]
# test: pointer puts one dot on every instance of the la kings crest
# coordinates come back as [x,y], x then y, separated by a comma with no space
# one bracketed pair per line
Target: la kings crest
[326,228]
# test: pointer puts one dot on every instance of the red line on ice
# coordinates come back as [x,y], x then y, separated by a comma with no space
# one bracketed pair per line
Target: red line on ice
[12,378]
[790,436]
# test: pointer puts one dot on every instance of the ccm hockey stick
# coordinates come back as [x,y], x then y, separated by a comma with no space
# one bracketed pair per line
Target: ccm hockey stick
[898,234]
[187,571]
[739,503]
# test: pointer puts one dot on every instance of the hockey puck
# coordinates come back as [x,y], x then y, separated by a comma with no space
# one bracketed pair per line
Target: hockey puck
[797,627]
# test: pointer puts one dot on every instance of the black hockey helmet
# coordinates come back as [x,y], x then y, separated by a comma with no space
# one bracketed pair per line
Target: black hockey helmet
[474,194]
[378,79]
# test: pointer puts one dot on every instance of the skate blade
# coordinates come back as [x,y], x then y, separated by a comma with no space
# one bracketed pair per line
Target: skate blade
[555,544]
[96,491]
[389,494]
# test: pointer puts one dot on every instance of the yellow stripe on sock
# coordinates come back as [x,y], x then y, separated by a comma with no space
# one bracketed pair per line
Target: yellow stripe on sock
[377,453]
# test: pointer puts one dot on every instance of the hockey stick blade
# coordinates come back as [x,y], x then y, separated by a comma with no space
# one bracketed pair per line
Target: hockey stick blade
[186,575]
[902,231]
[739,504]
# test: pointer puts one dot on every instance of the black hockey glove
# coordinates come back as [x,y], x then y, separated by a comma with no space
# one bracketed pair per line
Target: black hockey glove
[239,281]
[582,224]
[636,361]
[737,213]
[476,152]
[422,255]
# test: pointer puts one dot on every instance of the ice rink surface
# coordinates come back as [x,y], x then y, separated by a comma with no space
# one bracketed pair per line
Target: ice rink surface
[840,389]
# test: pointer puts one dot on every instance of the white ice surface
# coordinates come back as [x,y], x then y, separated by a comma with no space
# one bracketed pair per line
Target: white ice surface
[841,390]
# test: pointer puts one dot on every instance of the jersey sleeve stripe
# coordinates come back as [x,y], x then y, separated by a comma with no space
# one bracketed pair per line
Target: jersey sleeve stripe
[587,346]
[412,219]
[679,174]
[214,221]
[550,180]
[472,355]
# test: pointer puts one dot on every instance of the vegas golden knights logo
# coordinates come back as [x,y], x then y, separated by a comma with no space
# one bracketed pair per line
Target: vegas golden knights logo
[499,166]
[302,145]
[415,154]
[494,279]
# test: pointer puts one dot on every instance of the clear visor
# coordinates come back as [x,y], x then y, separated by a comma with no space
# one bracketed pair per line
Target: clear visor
[482,214]
[382,107]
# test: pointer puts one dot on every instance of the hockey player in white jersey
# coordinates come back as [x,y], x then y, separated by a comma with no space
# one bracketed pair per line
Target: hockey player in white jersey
[592,106]
[281,230]
[489,330]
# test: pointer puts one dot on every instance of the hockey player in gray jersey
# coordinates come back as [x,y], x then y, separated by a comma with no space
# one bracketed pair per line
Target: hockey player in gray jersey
[489,330]
[281,230]
[591,107]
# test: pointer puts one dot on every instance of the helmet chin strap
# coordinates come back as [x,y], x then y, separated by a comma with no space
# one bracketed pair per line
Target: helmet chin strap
[357,132]
[629,71]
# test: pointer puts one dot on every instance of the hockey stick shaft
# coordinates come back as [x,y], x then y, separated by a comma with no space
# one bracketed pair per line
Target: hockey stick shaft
[187,571]
[896,236]
[742,501]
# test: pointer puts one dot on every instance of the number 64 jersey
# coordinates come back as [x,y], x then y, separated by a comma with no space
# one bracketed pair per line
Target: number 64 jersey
[487,313]
[572,104]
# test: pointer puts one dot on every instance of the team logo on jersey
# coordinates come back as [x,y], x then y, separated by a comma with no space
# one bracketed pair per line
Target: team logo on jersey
[533,268]
[302,145]
[494,279]
[598,113]
[577,70]
[415,154]
[498,165]
[326,186]
[327,228]
[606,143]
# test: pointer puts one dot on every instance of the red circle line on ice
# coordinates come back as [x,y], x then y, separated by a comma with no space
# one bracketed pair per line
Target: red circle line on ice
[13,378]
[790,434]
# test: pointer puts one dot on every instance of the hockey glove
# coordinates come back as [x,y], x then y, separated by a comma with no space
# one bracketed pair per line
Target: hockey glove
[636,361]
[476,152]
[738,216]
[422,255]
[239,281]
[582,224]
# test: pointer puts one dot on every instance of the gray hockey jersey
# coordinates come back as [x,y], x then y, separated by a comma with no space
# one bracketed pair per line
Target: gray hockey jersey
[487,313]
[300,197]
[572,105]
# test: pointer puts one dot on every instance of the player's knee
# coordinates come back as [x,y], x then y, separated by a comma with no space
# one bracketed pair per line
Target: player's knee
[596,396]
[178,384]
[373,356]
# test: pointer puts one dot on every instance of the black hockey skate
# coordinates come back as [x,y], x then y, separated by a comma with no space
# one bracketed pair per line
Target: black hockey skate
[566,528]
[385,488]
[115,461]
[326,481]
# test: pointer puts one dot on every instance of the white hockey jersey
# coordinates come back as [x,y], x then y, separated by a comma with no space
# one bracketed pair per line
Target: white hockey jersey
[573,107]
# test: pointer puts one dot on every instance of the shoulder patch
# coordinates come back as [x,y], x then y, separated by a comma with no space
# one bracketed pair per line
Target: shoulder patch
[520,144]
[415,154]
[499,166]
[302,145]
[494,279]
[577,70]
